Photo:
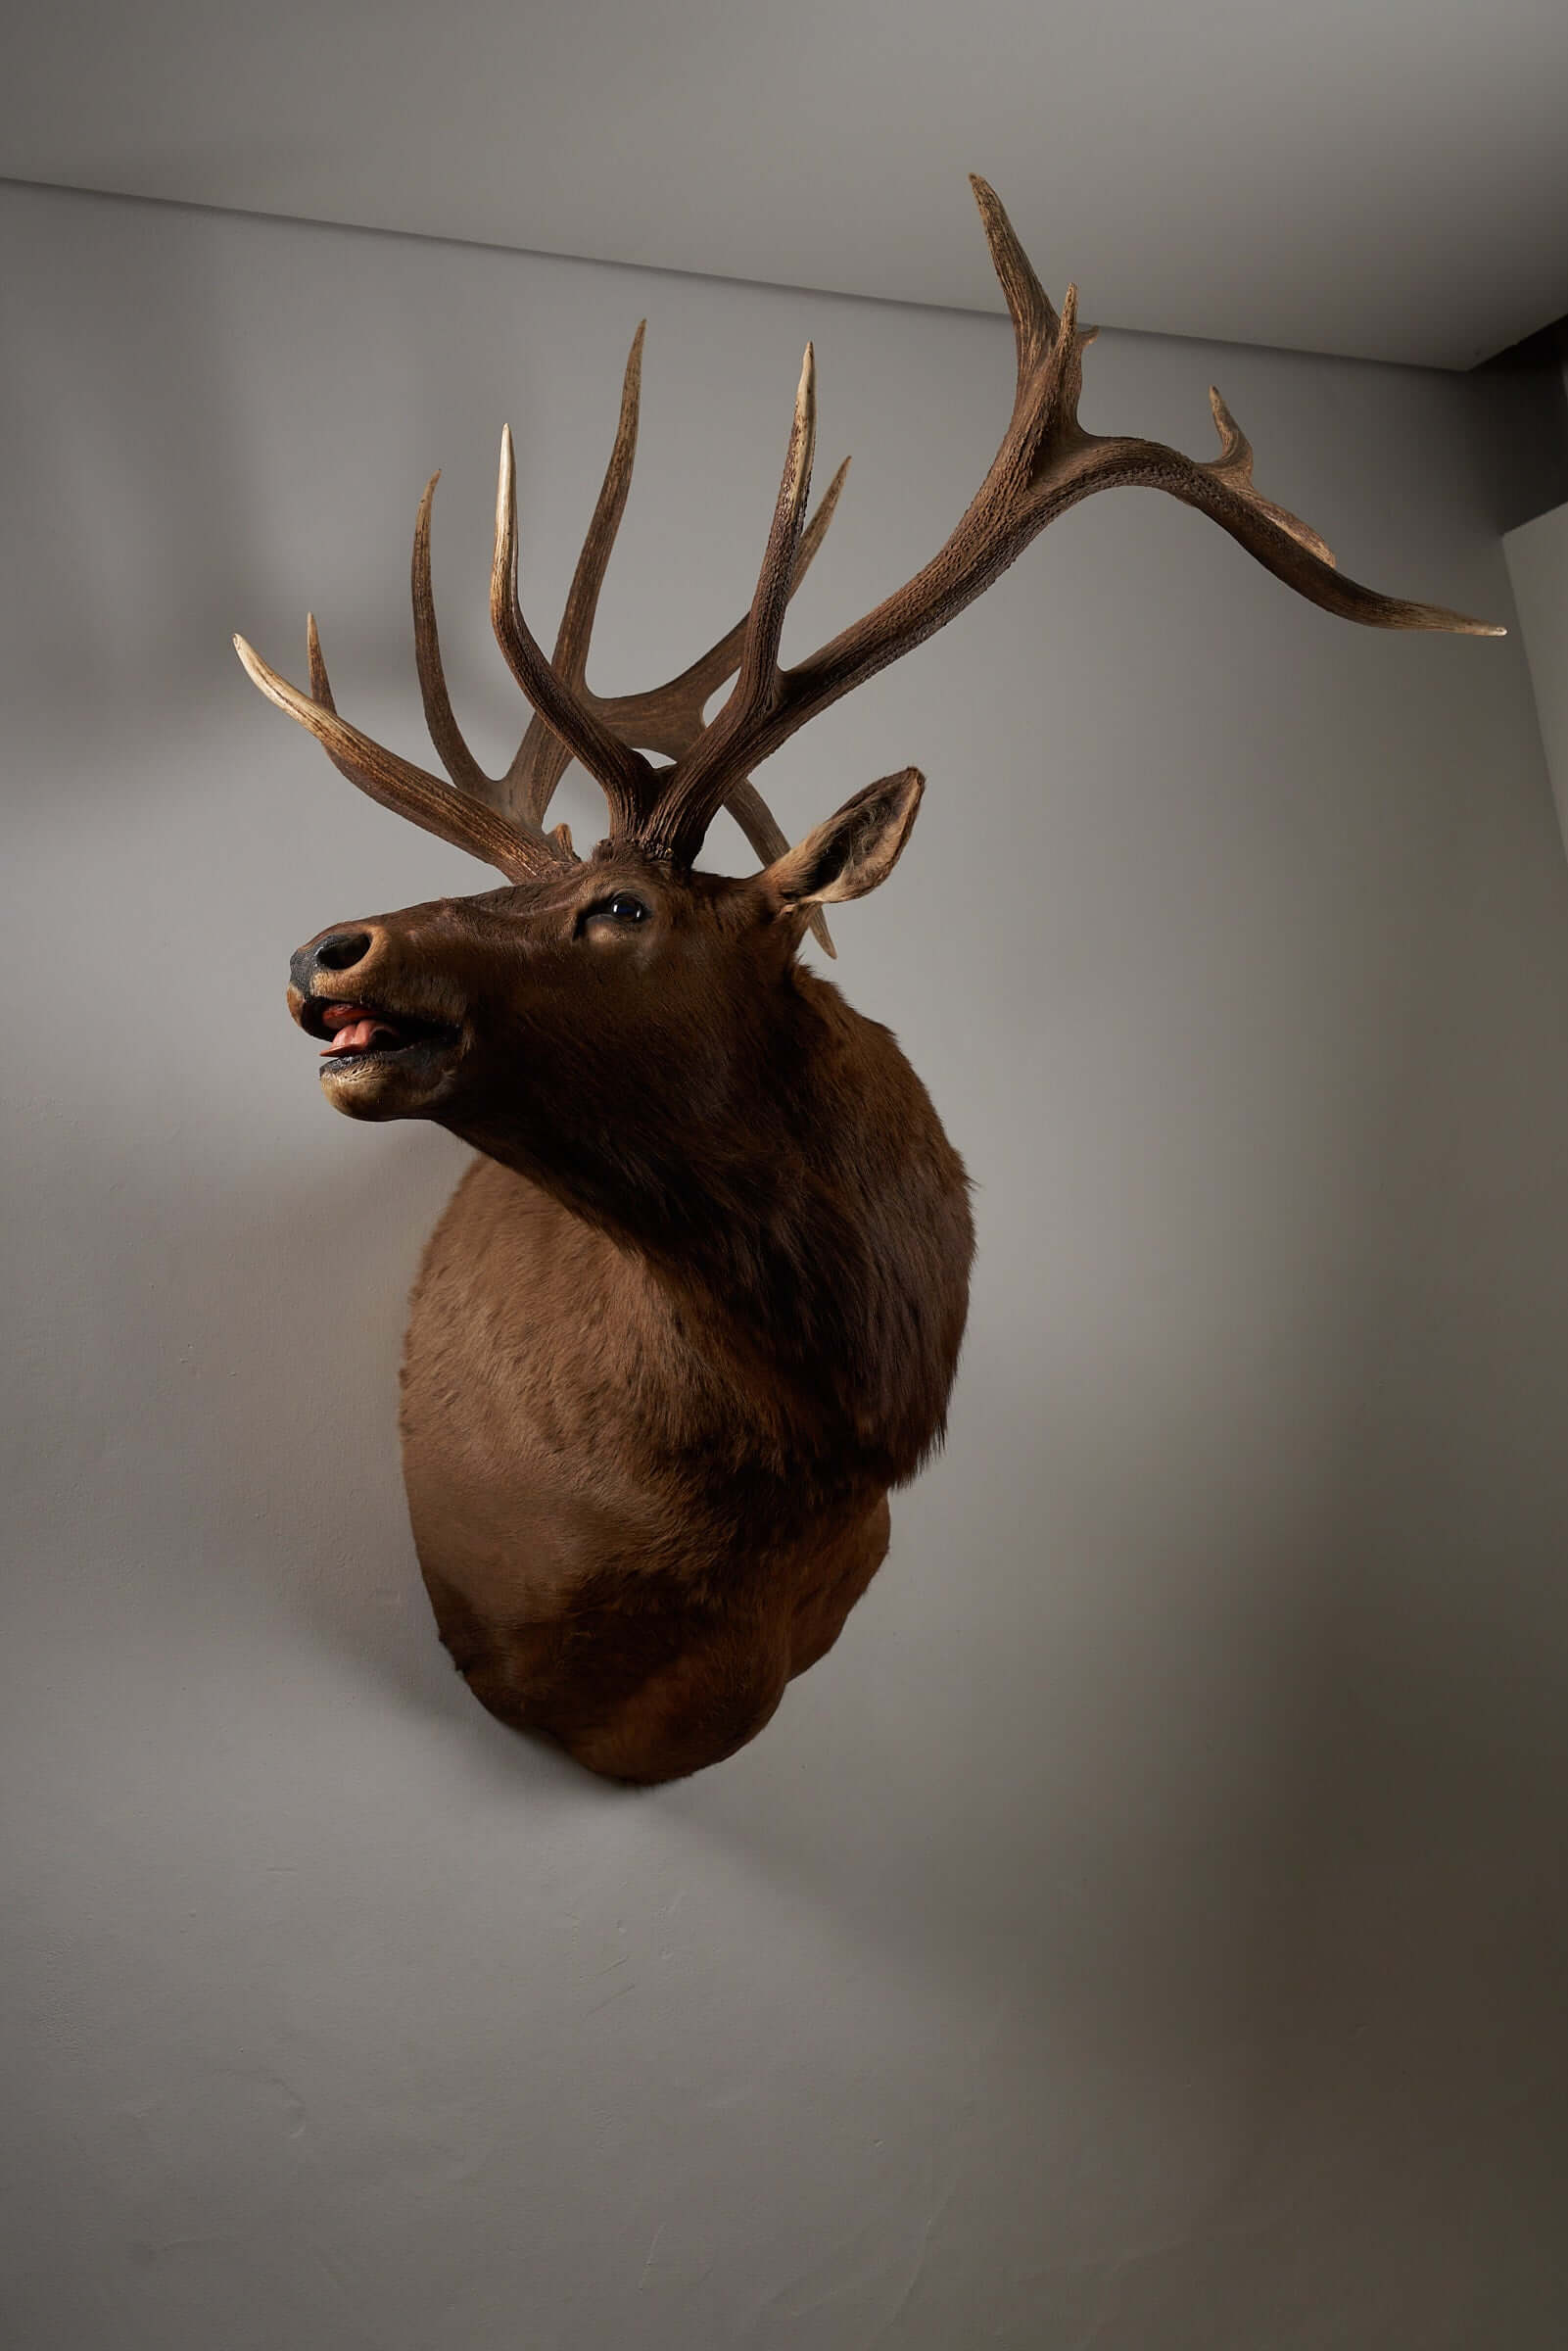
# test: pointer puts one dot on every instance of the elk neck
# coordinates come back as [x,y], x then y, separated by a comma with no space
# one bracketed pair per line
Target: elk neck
[779,1169]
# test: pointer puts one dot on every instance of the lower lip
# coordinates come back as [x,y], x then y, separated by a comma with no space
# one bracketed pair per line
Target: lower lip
[349,1065]
[368,1060]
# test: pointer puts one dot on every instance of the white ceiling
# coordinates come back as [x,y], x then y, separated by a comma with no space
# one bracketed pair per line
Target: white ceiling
[1385,179]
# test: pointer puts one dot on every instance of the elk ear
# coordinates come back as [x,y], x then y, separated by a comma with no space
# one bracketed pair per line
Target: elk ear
[852,851]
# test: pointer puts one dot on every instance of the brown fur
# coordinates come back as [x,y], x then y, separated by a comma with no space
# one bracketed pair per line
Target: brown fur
[691,1314]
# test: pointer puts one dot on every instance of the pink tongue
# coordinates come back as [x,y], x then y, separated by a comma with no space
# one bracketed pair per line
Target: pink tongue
[356,1036]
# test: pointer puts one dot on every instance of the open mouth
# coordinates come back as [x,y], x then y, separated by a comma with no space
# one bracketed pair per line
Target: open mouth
[360,1035]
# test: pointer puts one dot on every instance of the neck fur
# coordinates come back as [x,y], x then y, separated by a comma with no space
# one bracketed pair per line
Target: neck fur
[800,1199]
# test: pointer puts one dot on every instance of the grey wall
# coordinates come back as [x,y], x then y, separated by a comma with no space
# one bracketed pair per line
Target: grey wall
[1537,556]
[1147,1927]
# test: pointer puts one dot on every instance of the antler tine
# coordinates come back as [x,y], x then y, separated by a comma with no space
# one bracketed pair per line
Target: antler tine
[526,788]
[445,733]
[665,718]
[542,757]
[581,600]
[699,784]
[759,643]
[1045,465]
[396,783]
[1035,323]
[669,718]
[623,775]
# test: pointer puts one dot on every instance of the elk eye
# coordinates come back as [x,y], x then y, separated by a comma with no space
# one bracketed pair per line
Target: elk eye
[624,908]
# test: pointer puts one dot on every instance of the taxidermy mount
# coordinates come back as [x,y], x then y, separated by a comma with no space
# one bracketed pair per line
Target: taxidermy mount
[695,1306]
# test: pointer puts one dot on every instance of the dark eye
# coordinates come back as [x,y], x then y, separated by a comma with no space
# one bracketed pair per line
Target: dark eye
[624,908]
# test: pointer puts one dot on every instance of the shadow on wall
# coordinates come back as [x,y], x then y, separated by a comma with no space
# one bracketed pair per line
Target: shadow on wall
[139,502]
[176,499]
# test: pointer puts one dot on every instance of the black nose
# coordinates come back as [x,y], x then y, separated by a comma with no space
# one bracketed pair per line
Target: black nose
[336,951]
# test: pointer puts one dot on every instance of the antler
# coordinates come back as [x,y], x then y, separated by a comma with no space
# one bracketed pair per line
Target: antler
[1046,463]
[500,818]
[521,852]
[542,758]
[666,718]
[480,814]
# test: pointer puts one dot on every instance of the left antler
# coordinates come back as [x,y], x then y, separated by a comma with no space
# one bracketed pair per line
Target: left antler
[501,818]
[1046,463]
[521,852]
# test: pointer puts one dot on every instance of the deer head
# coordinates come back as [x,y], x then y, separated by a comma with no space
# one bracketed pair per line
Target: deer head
[629,984]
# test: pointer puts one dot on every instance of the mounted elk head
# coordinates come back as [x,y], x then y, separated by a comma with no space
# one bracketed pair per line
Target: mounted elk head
[698,1303]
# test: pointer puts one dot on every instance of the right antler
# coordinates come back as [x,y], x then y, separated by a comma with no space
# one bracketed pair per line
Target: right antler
[1046,463]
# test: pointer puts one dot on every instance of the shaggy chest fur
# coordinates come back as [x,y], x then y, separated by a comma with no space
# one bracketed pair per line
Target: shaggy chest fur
[639,1504]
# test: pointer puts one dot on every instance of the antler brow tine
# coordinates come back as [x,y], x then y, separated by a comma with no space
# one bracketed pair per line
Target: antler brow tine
[396,783]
